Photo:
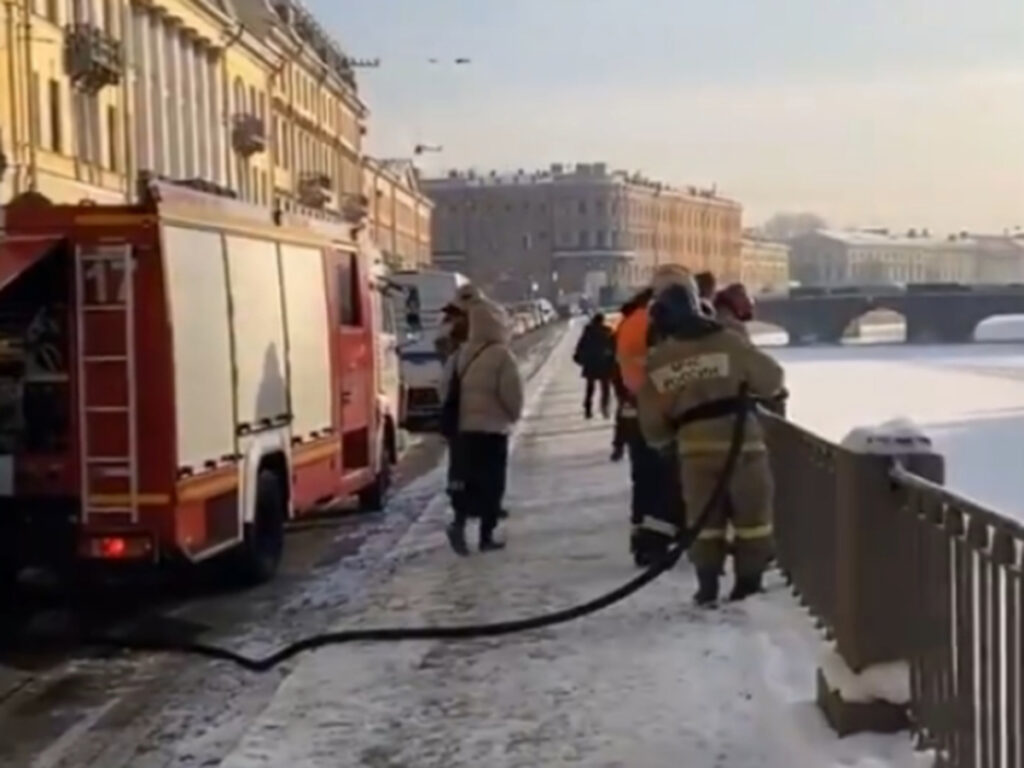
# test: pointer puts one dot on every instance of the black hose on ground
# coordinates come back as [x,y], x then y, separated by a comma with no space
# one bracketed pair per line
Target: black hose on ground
[464,631]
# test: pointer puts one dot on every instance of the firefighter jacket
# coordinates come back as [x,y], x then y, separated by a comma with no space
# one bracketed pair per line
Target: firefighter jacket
[701,363]
[631,349]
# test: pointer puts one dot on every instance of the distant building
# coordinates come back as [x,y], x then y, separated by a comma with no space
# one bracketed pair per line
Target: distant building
[877,257]
[764,265]
[574,229]
[398,211]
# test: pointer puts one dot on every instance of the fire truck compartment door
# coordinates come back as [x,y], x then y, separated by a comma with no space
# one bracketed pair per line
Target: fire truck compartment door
[19,253]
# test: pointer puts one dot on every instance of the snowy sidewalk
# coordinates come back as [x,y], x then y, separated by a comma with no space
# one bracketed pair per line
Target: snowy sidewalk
[648,683]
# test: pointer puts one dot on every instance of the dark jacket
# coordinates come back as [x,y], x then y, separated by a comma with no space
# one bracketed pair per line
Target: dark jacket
[595,352]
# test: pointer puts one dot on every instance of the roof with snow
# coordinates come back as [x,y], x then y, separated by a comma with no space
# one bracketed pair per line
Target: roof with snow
[919,239]
[563,173]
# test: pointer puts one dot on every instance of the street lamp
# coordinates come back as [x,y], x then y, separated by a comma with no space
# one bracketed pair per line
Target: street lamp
[422,148]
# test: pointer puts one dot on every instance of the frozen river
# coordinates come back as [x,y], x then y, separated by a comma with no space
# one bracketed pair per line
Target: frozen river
[968,398]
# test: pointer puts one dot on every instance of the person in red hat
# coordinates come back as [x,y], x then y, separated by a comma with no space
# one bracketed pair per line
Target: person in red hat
[734,308]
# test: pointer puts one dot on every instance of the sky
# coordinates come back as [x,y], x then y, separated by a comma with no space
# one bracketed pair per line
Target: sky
[902,113]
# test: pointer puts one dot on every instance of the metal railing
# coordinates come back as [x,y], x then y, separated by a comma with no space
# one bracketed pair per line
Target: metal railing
[894,567]
[963,626]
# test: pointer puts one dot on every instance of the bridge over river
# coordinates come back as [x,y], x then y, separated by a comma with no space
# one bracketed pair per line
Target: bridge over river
[934,312]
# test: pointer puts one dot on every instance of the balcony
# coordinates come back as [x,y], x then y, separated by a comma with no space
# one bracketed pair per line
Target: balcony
[355,208]
[315,190]
[248,134]
[92,58]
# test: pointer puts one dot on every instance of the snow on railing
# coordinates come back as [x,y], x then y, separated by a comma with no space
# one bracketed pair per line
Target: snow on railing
[920,589]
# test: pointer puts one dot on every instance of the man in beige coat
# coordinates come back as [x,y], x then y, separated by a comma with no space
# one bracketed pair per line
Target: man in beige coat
[490,403]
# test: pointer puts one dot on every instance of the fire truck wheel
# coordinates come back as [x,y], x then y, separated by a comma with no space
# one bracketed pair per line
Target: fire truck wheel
[374,497]
[261,550]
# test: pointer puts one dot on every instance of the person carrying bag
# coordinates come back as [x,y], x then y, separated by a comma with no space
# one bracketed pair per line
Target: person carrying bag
[482,400]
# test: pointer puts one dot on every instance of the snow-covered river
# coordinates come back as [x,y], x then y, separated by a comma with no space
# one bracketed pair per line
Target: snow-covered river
[968,398]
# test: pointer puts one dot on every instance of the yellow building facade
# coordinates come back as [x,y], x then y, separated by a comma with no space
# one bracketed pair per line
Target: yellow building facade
[65,99]
[241,96]
[399,214]
[764,265]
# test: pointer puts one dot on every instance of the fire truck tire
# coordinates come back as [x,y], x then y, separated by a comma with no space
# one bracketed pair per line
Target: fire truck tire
[374,497]
[261,550]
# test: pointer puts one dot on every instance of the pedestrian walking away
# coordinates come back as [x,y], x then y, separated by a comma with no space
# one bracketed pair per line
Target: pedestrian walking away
[485,377]
[595,355]
[696,363]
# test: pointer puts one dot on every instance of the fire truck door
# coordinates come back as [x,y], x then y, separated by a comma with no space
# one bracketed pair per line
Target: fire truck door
[355,353]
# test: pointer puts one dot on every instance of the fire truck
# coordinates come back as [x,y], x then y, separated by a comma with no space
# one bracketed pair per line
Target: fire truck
[181,376]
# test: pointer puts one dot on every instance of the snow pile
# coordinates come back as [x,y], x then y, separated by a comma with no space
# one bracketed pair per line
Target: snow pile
[881,682]
[895,437]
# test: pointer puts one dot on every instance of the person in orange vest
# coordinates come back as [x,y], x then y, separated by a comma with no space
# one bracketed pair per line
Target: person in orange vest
[656,496]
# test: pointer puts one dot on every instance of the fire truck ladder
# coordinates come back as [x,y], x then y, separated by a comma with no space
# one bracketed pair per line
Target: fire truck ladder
[105,338]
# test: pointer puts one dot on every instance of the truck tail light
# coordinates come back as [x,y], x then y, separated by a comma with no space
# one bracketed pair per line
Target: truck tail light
[118,547]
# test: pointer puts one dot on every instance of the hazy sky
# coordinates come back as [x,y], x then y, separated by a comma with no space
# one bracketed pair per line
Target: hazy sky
[895,112]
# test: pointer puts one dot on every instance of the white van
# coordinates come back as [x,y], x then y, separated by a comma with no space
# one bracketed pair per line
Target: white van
[427,292]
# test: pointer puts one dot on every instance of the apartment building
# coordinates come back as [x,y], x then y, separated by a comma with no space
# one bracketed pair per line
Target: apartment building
[249,96]
[64,99]
[398,212]
[577,228]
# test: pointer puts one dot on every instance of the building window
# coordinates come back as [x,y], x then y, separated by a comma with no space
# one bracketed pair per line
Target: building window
[112,139]
[583,206]
[56,116]
[584,240]
[601,239]
[51,11]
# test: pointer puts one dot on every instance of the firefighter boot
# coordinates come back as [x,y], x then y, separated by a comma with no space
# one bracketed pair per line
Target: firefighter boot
[457,538]
[707,586]
[746,586]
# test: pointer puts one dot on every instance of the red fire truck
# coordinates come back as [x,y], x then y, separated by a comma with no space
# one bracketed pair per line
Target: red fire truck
[180,377]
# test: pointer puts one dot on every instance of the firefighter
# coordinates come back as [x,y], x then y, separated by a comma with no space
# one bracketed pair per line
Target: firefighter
[734,308]
[695,362]
[656,498]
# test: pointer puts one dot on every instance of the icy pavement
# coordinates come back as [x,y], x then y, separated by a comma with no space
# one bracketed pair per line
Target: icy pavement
[650,682]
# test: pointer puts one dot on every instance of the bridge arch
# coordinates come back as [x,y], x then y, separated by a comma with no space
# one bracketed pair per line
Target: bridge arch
[1007,326]
[876,325]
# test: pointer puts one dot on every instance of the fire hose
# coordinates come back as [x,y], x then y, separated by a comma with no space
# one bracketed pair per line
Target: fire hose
[742,407]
